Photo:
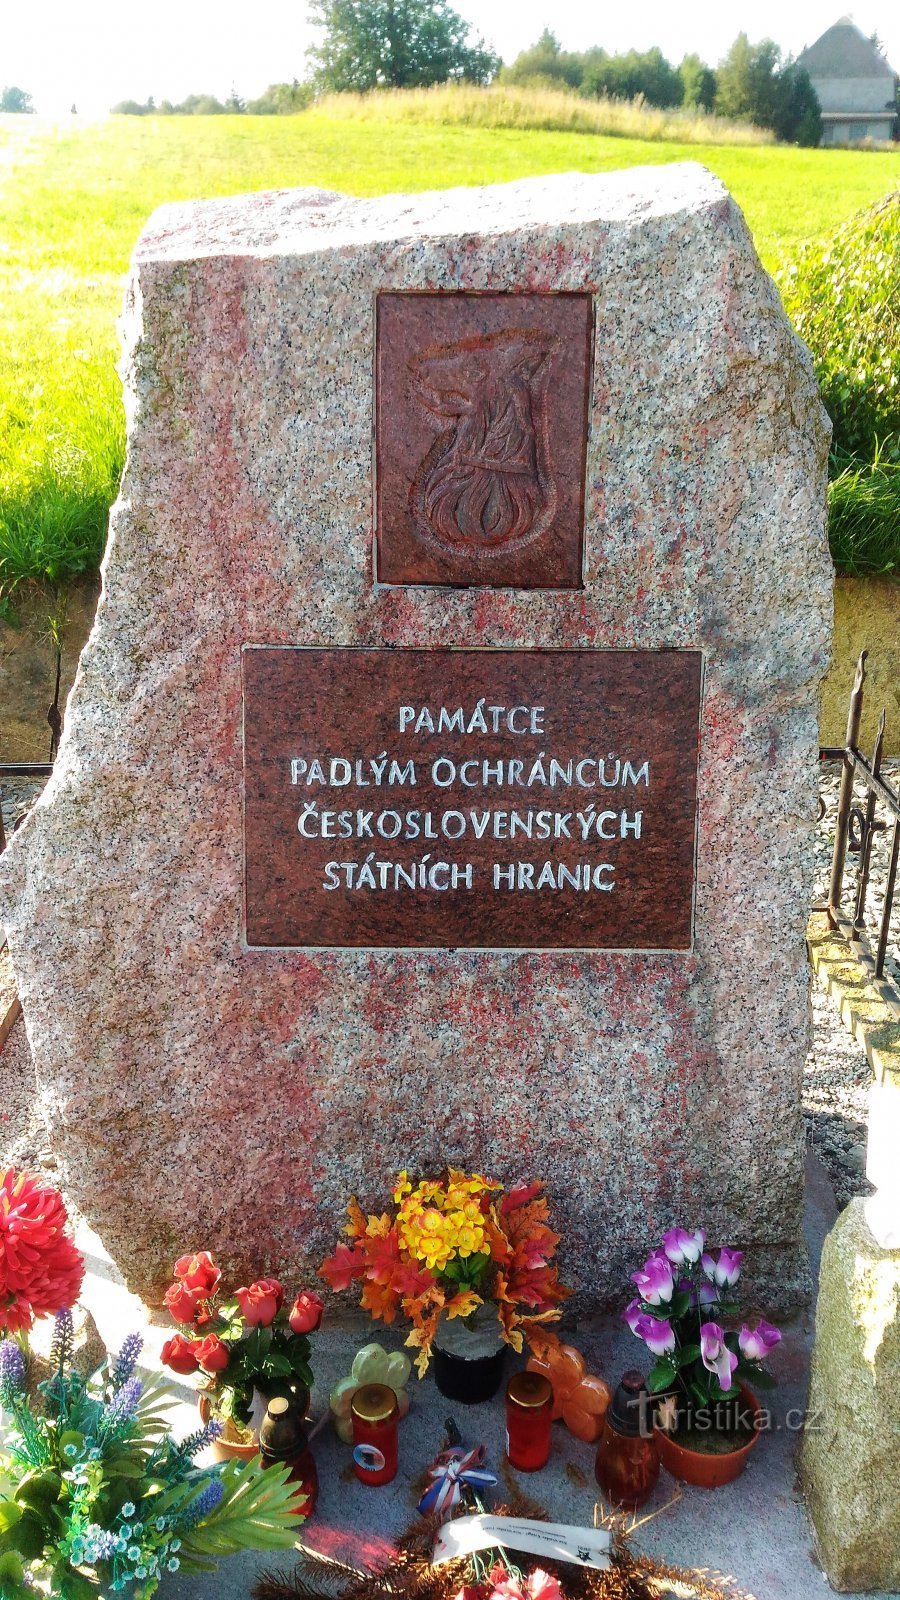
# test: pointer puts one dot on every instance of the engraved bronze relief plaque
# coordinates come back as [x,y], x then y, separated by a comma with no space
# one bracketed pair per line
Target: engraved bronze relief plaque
[491,799]
[480,438]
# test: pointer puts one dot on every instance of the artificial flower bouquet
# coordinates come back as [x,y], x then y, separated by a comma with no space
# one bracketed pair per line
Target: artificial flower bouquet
[247,1343]
[448,1247]
[96,1496]
[683,1313]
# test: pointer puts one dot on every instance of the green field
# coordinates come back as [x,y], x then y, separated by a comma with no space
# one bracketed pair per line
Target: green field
[72,203]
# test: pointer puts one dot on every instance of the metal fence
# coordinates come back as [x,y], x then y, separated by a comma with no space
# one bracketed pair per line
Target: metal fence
[859,822]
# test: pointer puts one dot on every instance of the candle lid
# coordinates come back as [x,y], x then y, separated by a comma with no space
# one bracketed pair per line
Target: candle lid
[374,1402]
[529,1390]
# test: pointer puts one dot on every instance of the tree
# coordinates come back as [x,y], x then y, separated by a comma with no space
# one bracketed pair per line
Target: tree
[397,44]
[281,99]
[13,99]
[797,116]
[623,77]
[745,81]
[754,84]
[698,83]
[547,62]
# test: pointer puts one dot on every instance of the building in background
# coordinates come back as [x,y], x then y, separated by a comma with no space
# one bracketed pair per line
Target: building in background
[856,86]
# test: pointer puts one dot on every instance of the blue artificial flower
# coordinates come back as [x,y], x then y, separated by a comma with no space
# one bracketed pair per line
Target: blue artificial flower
[134,1552]
[12,1371]
[173,1563]
[128,1509]
[126,1360]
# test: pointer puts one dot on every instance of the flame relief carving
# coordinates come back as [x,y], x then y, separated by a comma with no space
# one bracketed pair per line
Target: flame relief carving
[486,485]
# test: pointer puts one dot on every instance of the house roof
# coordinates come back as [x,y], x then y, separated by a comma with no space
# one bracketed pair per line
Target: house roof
[844,52]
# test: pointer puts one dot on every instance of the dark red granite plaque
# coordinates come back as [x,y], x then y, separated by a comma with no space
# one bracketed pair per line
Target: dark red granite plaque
[472,798]
[481,433]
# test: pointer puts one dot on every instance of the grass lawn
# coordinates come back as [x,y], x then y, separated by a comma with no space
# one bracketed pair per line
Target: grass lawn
[73,201]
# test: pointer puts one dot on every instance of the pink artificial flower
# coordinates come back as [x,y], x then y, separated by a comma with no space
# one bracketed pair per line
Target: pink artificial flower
[656,1283]
[632,1315]
[724,1270]
[757,1344]
[715,1354]
[681,1246]
[705,1295]
[657,1334]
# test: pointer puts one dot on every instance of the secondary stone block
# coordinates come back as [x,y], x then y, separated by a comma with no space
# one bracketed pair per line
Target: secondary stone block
[850,1457]
[530,443]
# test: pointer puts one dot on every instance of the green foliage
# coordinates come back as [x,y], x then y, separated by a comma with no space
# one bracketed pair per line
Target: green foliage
[753,82]
[546,62]
[281,99]
[843,298]
[864,517]
[17,100]
[395,43]
[645,75]
[96,1494]
[698,83]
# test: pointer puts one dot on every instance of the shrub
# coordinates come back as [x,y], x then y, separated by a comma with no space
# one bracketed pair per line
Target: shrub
[843,297]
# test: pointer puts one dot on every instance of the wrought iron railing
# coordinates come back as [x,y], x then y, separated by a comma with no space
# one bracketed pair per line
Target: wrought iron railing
[857,828]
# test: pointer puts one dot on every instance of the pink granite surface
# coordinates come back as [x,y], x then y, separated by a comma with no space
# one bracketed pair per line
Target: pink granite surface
[205,1095]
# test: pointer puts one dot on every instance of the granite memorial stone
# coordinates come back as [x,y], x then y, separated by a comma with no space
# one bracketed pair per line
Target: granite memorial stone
[439,778]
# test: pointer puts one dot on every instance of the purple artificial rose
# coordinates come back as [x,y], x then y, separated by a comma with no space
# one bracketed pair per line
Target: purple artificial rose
[656,1333]
[756,1344]
[724,1270]
[655,1283]
[632,1315]
[716,1356]
[705,1295]
[681,1246]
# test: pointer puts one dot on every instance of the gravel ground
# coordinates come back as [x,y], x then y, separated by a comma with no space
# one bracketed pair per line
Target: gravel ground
[836,1081]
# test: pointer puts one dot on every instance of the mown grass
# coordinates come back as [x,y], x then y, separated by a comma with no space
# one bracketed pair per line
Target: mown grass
[73,201]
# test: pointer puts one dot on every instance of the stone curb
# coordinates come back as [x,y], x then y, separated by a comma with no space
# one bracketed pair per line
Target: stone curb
[864,1011]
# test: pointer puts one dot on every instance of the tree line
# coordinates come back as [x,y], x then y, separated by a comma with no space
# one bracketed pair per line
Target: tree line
[753,83]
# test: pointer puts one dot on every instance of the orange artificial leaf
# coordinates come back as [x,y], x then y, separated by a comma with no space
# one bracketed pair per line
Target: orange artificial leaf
[356,1219]
[380,1301]
[463,1303]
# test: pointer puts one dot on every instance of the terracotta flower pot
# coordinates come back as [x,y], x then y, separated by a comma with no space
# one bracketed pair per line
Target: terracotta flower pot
[700,1467]
[225,1449]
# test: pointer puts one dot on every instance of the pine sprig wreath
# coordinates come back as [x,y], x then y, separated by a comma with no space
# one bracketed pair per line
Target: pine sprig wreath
[411,1576]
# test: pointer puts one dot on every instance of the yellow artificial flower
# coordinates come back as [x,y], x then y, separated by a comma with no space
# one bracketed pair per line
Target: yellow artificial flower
[403,1187]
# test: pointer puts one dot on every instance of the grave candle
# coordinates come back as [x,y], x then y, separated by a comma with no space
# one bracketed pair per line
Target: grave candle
[529,1414]
[375,1415]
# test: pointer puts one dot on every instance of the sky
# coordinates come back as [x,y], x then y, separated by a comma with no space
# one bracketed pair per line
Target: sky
[92,53]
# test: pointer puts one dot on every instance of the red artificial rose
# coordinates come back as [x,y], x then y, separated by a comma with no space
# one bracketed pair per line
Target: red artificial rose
[212,1355]
[306,1312]
[180,1354]
[261,1302]
[198,1273]
[181,1302]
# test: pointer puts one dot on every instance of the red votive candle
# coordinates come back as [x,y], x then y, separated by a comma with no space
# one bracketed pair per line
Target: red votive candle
[627,1464]
[375,1413]
[529,1413]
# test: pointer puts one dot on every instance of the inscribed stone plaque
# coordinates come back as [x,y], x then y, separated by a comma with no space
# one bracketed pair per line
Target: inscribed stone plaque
[473,798]
[481,425]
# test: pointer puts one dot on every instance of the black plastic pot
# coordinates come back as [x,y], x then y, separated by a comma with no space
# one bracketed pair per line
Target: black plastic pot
[470,1380]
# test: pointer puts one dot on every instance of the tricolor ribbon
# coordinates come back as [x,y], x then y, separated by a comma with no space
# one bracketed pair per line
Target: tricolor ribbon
[451,1472]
